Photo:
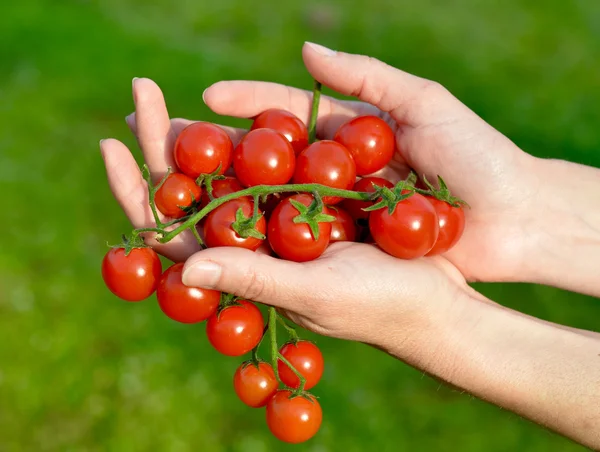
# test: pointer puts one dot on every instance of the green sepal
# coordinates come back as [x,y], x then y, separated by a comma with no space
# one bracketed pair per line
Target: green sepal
[312,215]
[443,193]
[246,227]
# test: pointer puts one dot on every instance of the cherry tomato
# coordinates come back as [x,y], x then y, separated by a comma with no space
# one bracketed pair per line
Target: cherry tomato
[343,228]
[177,191]
[182,303]
[264,157]
[370,140]
[293,420]
[218,229]
[452,225]
[201,147]
[255,385]
[236,329]
[353,206]
[327,163]
[410,231]
[295,241]
[221,187]
[306,358]
[133,277]
[287,124]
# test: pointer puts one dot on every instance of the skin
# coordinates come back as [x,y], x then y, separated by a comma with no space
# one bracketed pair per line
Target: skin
[422,312]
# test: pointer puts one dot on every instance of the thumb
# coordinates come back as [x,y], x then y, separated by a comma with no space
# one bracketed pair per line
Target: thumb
[250,275]
[409,99]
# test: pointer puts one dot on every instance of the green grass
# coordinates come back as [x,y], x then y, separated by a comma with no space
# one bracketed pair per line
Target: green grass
[80,371]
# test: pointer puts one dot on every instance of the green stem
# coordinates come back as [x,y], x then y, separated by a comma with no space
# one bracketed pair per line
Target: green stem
[255,358]
[272,325]
[291,331]
[314,113]
[298,374]
[262,190]
[197,235]
[152,189]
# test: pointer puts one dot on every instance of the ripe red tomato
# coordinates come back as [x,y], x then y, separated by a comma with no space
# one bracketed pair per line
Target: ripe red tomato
[182,303]
[306,358]
[328,163]
[410,231]
[353,206]
[133,277]
[236,329]
[221,187]
[218,229]
[255,385]
[264,157]
[293,420]
[177,191]
[287,124]
[343,228]
[295,241]
[452,225]
[201,147]
[370,140]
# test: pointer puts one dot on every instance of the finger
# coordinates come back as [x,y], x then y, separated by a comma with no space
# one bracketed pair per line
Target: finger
[131,192]
[254,276]
[409,99]
[154,133]
[178,124]
[247,99]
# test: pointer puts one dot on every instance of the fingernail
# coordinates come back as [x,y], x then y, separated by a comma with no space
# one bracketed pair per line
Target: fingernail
[204,94]
[133,81]
[129,119]
[321,49]
[100,144]
[202,274]
[133,89]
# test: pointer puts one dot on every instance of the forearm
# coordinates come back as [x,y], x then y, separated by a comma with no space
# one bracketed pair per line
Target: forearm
[545,373]
[563,245]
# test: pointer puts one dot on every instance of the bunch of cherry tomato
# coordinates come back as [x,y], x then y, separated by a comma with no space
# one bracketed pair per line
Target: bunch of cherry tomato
[292,198]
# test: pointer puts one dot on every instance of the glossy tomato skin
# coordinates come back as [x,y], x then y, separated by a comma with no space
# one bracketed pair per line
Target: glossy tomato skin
[409,232]
[235,330]
[306,357]
[294,241]
[370,140]
[255,385]
[452,225]
[201,147]
[287,124]
[182,303]
[221,187]
[343,228]
[353,206]
[293,420]
[178,190]
[218,230]
[133,277]
[328,163]
[264,157]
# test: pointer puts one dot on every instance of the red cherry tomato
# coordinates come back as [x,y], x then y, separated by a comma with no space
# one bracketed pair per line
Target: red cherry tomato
[306,358]
[287,124]
[409,232]
[370,140]
[255,385]
[264,157]
[452,225]
[182,303]
[295,241]
[236,329]
[218,229]
[177,191]
[201,147]
[133,277]
[293,420]
[221,187]
[327,163]
[353,206]
[343,228]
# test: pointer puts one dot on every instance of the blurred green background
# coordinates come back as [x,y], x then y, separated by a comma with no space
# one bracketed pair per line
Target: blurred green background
[81,371]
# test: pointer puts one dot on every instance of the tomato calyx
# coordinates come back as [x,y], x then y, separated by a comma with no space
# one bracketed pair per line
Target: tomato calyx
[301,393]
[312,215]
[207,179]
[391,197]
[130,243]
[246,226]
[442,193]
[228,300]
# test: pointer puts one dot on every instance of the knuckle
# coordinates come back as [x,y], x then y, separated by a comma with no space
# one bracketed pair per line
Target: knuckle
[253,286]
